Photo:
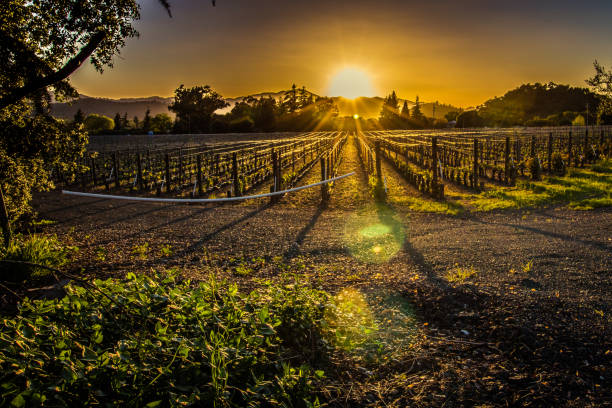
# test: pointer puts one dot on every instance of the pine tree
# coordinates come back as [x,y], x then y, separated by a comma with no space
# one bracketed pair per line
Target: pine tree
[79,117]
[124,121]
[146,122]
[290,99]
[416,111]
[117,121]
[405,110]
[136,122]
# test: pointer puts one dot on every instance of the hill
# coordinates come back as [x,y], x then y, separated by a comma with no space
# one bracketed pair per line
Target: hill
[109,107]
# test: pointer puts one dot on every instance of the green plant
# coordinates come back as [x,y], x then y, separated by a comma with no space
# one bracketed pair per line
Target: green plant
[460,274]
[377,188]
[100,254]
[166,251]
[140,251]
[157,341]
[535,168]
[558,165]
[39,249]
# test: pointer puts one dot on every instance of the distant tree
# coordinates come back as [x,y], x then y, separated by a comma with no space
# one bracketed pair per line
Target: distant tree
[117,121]
[124,121]
[79,117]
[95,123]
[601,82]
[469,119]
[264,116]
[194,108]
[416,114]
[290,99]
[146,122]
[389,115]
[136,122]
[452,115]
[529,101]
[161,123]
[405,113]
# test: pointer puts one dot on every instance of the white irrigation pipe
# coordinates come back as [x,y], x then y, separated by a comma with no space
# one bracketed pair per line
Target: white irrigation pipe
[202,200]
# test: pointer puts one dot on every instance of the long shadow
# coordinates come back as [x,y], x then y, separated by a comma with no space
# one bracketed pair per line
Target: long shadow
[133,216]
[80,204]
[563,237]
[164,224]
[227,226]
[94,213]
[294,249]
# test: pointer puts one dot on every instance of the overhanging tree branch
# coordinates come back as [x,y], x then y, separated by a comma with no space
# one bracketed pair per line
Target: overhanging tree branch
[15,95]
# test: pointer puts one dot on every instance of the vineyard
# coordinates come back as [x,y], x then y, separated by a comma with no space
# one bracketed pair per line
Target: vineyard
[396,285]
[429,161]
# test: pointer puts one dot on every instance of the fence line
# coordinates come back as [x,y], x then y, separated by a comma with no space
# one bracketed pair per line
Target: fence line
[202,200]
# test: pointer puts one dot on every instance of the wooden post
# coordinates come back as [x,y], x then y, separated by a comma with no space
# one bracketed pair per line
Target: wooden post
[378,164]
[116,166]
[4,220]
[139,169]
[180,170]
[92,162]
[507,160]
[199,174]
[434,160]
[167,160]
[569,149]
[475,171]
[324,187]
[586,144]
[237,192]
[550,150]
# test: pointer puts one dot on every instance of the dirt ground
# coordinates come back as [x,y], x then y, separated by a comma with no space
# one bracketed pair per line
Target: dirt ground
[512,308]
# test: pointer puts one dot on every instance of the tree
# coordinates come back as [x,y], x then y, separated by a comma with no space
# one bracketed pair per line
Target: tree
[95,123]
[161,123]
[452,115]
[405,111]
[194,108]
[389,115]
[602,83]
[117,121]
[146,122]
[41,44]
[290,99]
[136,122]
[417,115]
[79,117]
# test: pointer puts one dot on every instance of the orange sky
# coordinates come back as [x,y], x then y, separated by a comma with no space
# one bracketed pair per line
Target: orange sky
[461,53]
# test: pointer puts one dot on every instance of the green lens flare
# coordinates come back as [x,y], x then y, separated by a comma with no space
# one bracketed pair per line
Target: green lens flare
[374,236]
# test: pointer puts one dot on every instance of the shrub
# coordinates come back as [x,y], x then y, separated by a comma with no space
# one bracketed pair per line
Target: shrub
[558,165]
[535,168]
[158,341]
[40,249]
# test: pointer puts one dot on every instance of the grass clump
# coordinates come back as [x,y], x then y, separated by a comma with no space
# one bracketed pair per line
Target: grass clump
[460,274]
[36,248]
[580,189]
[158,341]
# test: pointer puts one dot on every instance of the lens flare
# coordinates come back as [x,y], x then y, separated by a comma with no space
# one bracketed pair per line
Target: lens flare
[374,236]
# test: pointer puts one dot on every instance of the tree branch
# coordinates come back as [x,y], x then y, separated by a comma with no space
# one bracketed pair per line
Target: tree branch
[64,72]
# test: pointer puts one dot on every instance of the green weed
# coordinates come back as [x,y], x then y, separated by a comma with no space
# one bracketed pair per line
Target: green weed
[460,274]
[40,249]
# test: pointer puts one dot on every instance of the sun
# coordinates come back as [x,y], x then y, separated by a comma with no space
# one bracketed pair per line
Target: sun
[351,83]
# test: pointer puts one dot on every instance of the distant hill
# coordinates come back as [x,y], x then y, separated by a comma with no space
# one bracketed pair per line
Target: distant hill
[366,107]
[109,107]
